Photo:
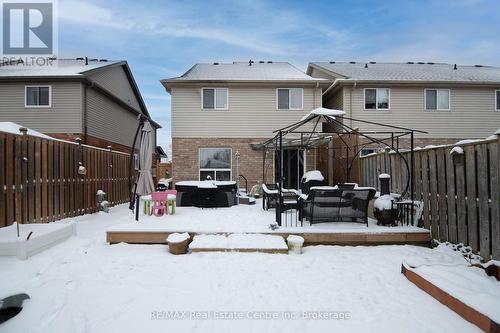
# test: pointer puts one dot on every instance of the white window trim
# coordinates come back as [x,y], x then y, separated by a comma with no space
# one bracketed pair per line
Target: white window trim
[37,106]
[495,98]
[215,99]
[437,109]
[376,100]
[215,170]
[290,99]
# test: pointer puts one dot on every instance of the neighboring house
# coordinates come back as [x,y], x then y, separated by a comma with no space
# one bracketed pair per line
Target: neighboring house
[220,109]
[451,102]
[95,100]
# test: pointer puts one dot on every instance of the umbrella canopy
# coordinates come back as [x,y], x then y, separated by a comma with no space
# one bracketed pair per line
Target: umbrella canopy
[145,184]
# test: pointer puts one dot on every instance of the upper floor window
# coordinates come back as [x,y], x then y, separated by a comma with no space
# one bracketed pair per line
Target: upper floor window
[497,99]
[437,99]
[377,98]
[38,96]
[290,98]
[215,98]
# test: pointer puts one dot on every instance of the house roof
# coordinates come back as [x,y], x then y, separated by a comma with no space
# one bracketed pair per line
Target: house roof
[160,152]
[71,69]
[410,72]
[242,71]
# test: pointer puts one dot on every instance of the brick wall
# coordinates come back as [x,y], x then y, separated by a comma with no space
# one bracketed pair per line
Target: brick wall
[185,158]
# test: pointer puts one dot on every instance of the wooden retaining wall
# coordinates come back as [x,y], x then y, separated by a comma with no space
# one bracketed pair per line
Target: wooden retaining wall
[39,180]
[461,196]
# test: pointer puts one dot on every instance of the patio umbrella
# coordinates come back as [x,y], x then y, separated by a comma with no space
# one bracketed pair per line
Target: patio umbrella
[145,184]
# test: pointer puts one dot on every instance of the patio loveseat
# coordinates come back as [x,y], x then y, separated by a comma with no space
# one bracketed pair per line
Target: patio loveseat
[336,204]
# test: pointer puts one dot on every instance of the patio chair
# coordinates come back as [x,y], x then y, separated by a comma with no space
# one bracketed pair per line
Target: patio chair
[270,196]
[171,200]
[159,200]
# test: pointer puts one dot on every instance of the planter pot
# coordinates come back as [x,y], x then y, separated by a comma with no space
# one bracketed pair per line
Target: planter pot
[178,243]
[386,217]
[178,248]
[295,244]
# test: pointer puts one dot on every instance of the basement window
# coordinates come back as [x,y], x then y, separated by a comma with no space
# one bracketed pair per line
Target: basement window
[377,98]
[37,96]
[215,164]
[437,99]
[215,98]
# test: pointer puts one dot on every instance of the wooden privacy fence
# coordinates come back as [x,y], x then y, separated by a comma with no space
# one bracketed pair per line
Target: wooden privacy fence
[461,192]
[39,179]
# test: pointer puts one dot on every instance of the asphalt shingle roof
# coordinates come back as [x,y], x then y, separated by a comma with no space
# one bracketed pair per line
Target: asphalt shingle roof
[59,67]
[241,71]
[438,72]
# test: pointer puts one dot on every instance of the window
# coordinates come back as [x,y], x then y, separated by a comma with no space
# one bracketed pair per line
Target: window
[437,99]
[367,151]
[377,98]
[215,98]
[289,98]
[215,163]
[497,99]
[38,96]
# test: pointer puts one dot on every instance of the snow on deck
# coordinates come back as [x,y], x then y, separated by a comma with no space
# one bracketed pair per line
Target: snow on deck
[86,285]
[243,219]
[248,242]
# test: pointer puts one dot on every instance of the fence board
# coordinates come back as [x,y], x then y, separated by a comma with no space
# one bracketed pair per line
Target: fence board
[50,180]
[451,198]
[9,178]
[442,204]
[484,221]
[470,169]
[495,198]
[38,182]
[18,179]
[425,188]
[3,216]
[462,236]
[44,179]
[433,191]
[57,181]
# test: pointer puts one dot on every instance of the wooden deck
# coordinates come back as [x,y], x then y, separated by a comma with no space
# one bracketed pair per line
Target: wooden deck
[421,238]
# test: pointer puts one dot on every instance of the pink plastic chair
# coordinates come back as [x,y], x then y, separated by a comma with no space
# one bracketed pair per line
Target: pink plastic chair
[159,200]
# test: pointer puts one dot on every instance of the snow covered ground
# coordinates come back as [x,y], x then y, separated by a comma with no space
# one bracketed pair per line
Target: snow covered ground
[86,285]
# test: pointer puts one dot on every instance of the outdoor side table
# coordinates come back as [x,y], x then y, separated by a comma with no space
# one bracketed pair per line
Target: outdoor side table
[171,201]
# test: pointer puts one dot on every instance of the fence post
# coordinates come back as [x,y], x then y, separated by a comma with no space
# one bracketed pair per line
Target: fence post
[79,178]
[24,173]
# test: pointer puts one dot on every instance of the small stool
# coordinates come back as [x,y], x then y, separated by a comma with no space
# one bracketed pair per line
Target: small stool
[171,200]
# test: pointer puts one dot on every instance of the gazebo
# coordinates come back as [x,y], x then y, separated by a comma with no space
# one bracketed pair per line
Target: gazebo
[321,126]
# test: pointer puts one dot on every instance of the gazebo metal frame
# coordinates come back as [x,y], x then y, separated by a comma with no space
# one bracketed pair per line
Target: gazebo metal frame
[313,138]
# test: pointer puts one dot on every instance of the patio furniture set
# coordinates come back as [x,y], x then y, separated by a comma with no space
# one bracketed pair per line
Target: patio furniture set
[318,203]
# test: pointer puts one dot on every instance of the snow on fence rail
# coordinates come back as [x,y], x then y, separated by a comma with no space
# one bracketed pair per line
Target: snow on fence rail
[53,189]
[461,191]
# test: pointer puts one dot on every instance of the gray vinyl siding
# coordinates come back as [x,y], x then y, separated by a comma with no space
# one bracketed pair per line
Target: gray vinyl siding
[116,81]
[252,112]
[64,116]
[108,120]
[472,113]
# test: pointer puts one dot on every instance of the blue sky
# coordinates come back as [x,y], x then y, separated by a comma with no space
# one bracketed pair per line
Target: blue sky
[162,39]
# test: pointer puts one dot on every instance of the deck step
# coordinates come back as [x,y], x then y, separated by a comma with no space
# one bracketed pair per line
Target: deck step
[238,243]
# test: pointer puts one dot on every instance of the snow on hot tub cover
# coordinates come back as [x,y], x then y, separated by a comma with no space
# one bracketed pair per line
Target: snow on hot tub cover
[205,183]
[323,112]
[313,175]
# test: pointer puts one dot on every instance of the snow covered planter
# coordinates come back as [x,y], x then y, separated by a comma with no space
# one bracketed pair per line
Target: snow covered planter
[178,243]
[295,244]
[383,206]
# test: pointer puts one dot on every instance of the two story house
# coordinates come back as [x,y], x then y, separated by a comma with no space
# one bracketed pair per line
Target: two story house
[95,100]
[220,109]
[451,102]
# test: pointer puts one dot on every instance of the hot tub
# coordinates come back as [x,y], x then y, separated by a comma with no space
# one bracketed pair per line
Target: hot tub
[206,193]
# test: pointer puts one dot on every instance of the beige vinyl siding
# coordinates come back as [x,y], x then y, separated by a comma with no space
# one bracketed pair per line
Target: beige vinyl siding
[116,81]
[472,113]
[64,116]
[336,101]
[108,120]
[252,112]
